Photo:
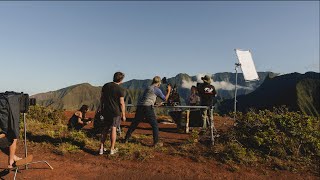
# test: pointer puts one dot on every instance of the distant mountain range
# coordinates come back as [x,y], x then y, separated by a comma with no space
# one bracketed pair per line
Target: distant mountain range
[298,92]
[73,97]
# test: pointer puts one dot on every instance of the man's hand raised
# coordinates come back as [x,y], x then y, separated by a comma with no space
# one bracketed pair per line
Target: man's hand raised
[169,88]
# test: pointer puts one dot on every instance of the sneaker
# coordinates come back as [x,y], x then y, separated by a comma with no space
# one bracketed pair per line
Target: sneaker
[102,150]
[113,151]
[158,144]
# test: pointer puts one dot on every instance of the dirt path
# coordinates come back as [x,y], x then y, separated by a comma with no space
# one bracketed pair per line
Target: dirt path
[87,166]
[84,165]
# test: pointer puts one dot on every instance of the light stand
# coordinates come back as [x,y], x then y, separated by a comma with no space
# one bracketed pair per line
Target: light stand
[25,137]
[235,91]
[248,70]
[26,149]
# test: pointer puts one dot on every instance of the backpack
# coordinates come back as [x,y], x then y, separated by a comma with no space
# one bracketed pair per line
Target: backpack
[98,122]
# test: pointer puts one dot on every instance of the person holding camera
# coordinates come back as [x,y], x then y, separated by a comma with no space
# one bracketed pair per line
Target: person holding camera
[207,92]
[194,98]
[79,119]
[113,110]
[145,109]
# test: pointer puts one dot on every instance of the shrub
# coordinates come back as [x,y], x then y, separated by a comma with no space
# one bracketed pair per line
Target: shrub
[280,134]
[46,115]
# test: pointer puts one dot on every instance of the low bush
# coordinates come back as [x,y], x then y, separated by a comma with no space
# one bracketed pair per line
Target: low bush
[46,115]
[279,134]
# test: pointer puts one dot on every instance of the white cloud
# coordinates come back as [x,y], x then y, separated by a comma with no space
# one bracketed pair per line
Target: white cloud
[219,85]
[188,84]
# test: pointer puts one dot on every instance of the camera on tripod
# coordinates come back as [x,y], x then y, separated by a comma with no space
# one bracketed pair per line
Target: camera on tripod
[26,102]
[24,99]
[174,97]
[164,81]
[200,86]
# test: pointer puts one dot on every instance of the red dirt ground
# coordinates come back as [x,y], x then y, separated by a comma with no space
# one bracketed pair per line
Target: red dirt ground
[84,165]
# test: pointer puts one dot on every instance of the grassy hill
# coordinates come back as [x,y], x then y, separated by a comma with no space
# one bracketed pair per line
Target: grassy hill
[71,97]
[298,92]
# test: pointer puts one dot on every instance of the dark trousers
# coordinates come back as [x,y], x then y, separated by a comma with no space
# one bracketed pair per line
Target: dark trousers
[77,126]
[146,112]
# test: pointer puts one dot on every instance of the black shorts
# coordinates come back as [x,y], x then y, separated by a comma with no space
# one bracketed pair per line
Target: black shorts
[112,121]
[5,142]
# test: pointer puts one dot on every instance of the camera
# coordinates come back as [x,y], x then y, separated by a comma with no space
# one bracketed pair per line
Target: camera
[24,100]
[164,81]
[174,97]
[199,86]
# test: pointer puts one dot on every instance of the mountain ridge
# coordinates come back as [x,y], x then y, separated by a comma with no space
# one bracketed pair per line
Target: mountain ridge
[73,96]
[298,92]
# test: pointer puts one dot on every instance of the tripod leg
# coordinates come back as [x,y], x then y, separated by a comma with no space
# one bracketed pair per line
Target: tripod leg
[212,128]
[25,137]
[15,173]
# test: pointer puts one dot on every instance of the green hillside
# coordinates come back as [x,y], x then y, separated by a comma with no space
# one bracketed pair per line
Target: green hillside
[71,98]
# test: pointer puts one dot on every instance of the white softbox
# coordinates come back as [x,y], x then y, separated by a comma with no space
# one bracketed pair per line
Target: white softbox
[247,65]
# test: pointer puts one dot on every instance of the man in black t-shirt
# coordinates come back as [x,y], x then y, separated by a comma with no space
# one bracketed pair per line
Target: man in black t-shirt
[113,110]
[206,92]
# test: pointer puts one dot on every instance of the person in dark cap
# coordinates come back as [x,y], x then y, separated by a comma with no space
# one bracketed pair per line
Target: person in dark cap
[206,92]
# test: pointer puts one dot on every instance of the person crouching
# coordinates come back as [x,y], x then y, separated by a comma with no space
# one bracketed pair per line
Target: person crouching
[79,119]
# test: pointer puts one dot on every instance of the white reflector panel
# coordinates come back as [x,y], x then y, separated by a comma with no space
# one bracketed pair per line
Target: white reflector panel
[247,65]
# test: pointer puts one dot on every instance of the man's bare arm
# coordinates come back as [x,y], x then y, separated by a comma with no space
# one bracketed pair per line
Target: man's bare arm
[123,108]
[168,92]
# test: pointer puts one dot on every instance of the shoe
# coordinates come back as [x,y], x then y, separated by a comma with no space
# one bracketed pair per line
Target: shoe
[158,144]
[113,151]
[102,150]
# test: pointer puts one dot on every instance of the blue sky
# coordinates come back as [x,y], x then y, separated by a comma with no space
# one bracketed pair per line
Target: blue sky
[50,45]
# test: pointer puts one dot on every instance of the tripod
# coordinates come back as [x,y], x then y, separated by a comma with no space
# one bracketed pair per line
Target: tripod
[26,149]
[213,129]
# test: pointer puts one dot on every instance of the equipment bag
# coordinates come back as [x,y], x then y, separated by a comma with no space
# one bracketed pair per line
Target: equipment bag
[98,122]
[10,103]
